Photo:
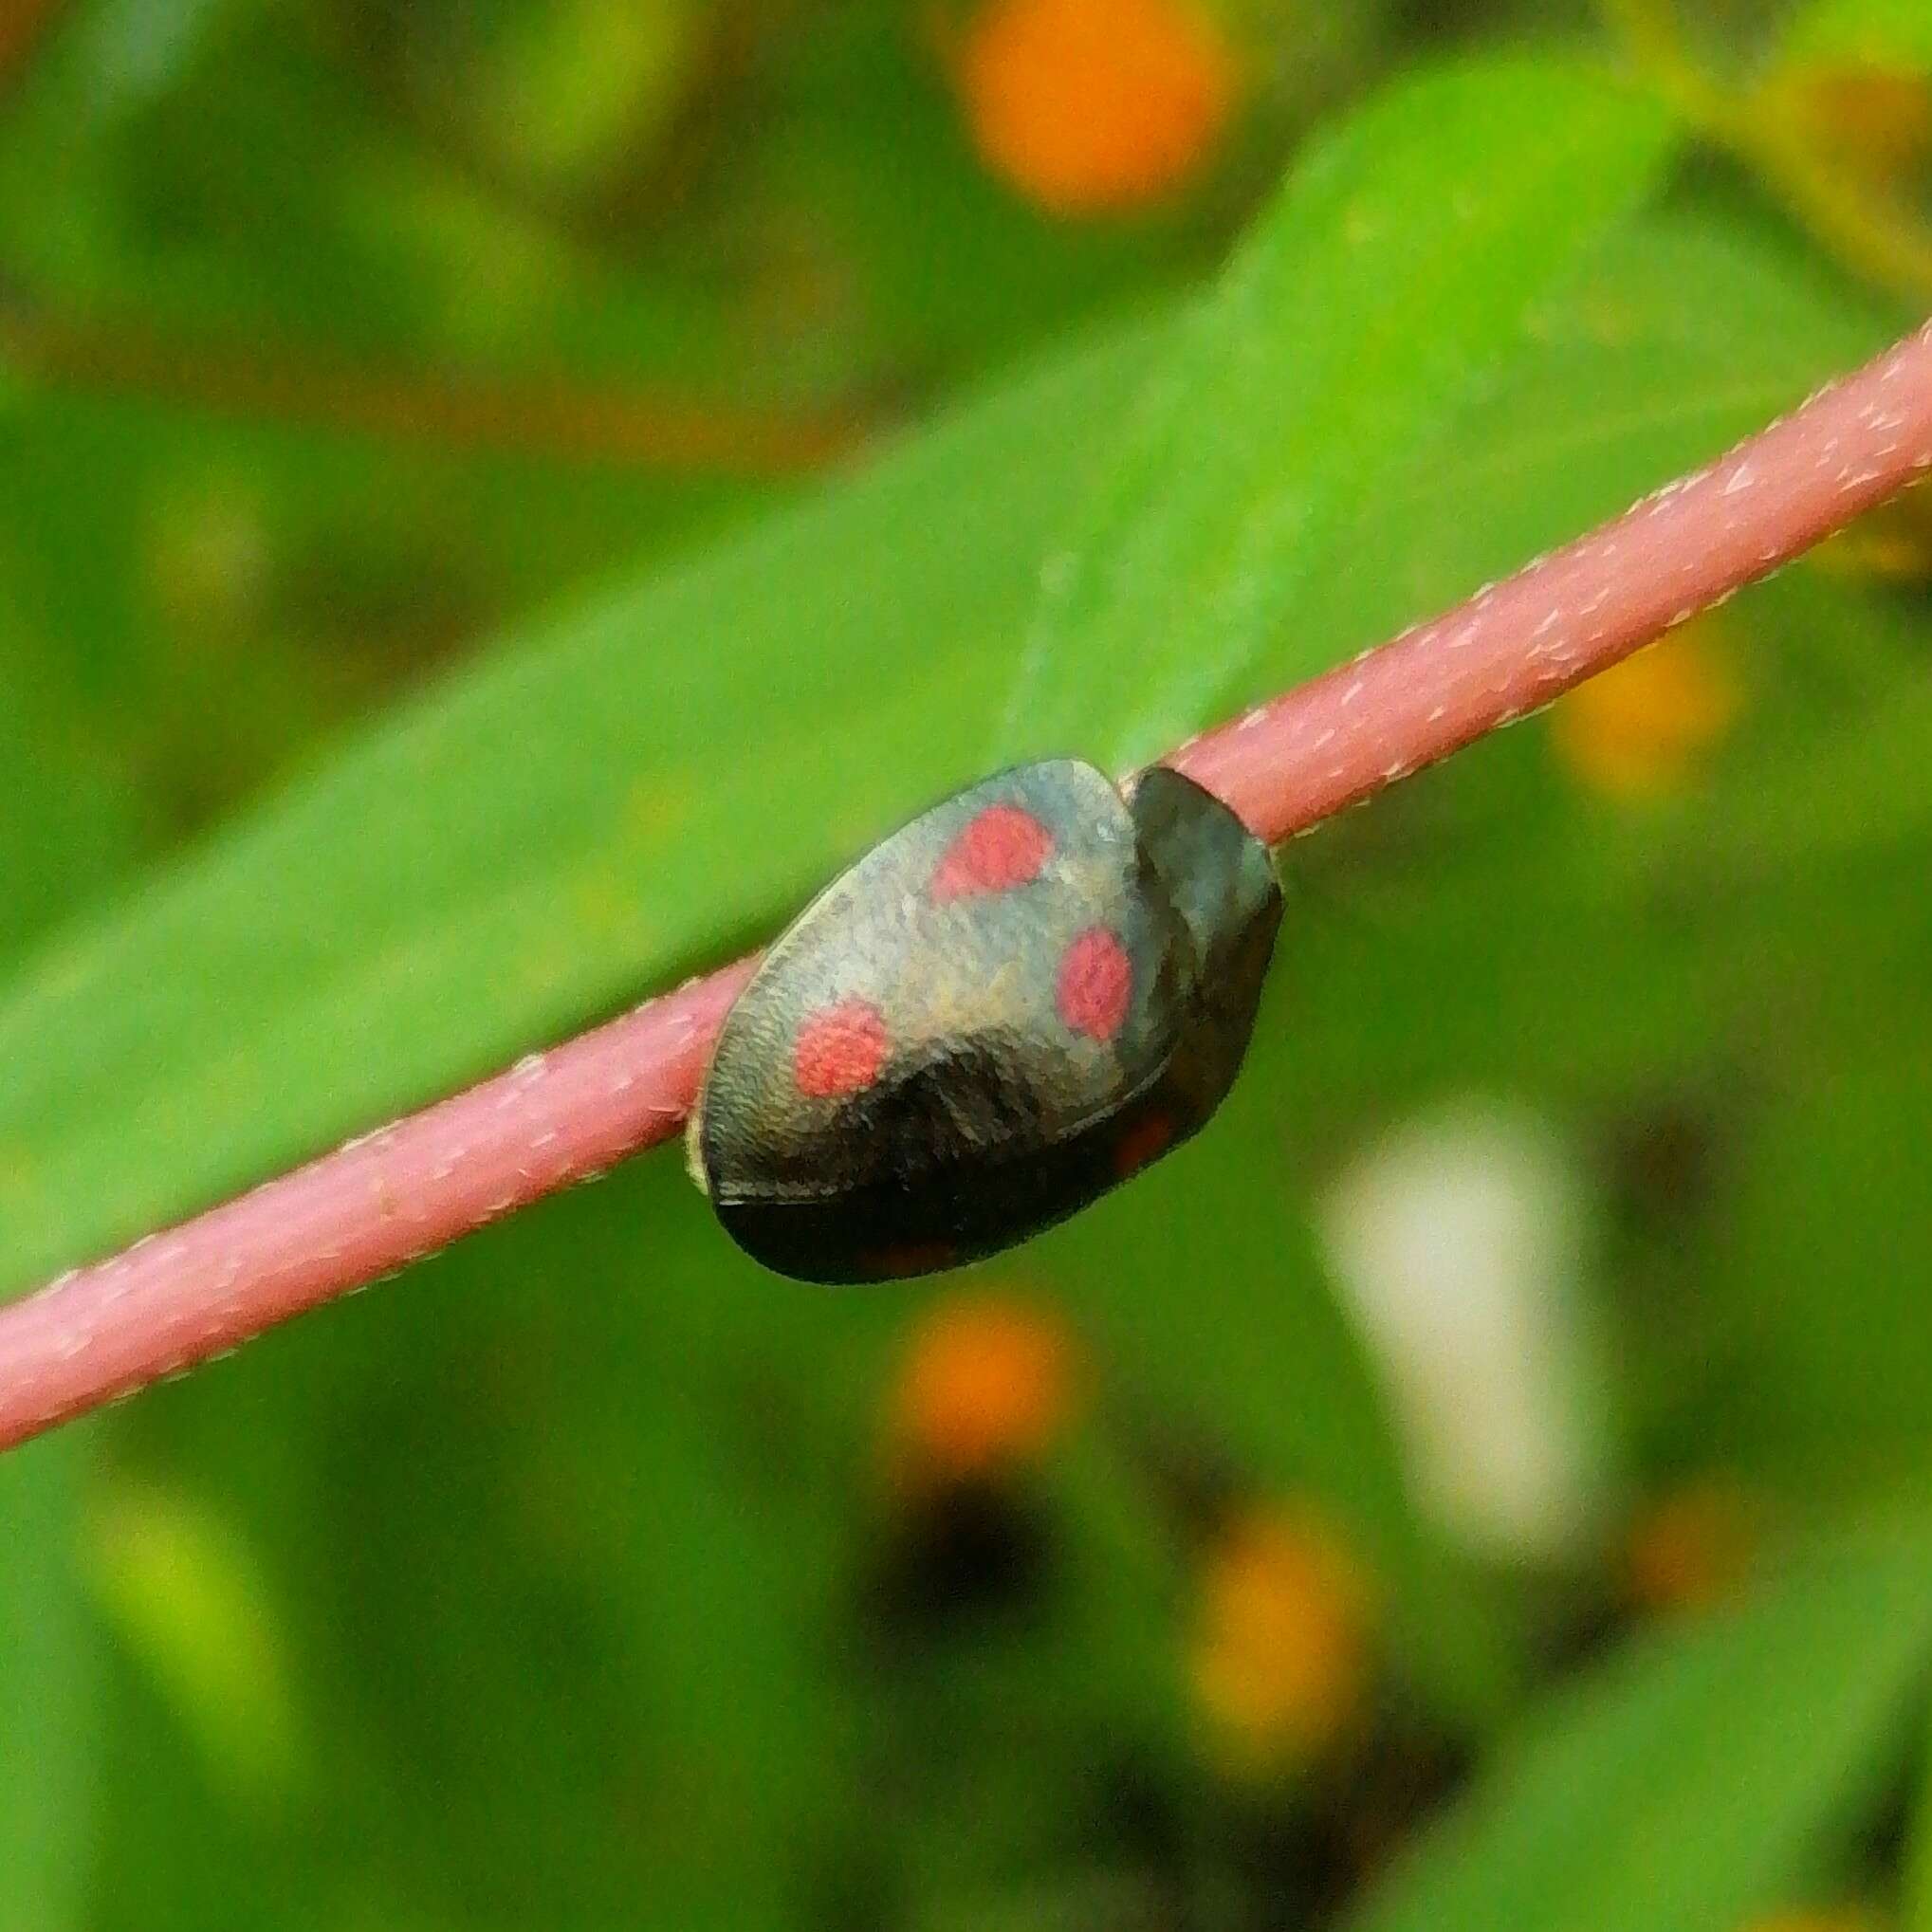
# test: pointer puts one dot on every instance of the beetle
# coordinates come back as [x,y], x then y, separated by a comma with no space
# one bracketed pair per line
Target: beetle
[1010,1005]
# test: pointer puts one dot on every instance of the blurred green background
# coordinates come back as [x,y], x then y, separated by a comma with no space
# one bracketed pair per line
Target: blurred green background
[496,500]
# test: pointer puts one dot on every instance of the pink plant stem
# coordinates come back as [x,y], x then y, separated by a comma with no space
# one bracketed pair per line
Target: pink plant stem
[177,1298]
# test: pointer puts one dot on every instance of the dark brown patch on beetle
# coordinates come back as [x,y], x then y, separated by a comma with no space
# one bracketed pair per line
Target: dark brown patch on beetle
[910,1258]
[1145,1141]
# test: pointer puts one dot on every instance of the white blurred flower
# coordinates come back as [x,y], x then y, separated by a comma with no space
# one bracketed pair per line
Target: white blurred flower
[1459,1240]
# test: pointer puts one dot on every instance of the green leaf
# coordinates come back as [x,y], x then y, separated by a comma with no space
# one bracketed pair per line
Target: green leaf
[1251,1356]
[1897,32]
[65,831]
[1680,338]
[1915,1910]
[636,783]
[1693,1779]
[62,834]
[1385,289]
[1823,1365]
[1848,791]
[46,1705]
[571,1549]
[1683,334]
[186,1598]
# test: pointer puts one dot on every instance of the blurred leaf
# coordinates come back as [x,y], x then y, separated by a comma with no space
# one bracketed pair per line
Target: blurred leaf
[1915,1910]
[1684,1785]
[1386,288]
[1683,334]
[1636,945]
[46,1694]
[565,90]
[953,269]
[208,594]
[62,836]
[359,225]
[1205,1280]
[639,780]
[1813,1276]
[1851,789]
[133,49]
[563,1539]
[66,830]
[1896,31]
[188,1599]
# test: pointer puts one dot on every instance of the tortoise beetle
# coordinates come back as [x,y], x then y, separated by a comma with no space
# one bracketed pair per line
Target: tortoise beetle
[1001,1010]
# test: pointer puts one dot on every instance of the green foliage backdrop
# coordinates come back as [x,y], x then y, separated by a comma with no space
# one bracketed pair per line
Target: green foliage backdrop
[571,1580]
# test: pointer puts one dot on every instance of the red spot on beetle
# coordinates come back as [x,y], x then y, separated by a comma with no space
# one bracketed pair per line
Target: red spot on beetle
[1001,846]
[1096,985]
[1150,1137]
[840,1050]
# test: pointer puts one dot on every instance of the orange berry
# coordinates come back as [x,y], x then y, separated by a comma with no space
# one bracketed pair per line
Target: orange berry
[1280,1660]
[1693,1548]
[1640,730]
[1095,106]
[986,1384]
